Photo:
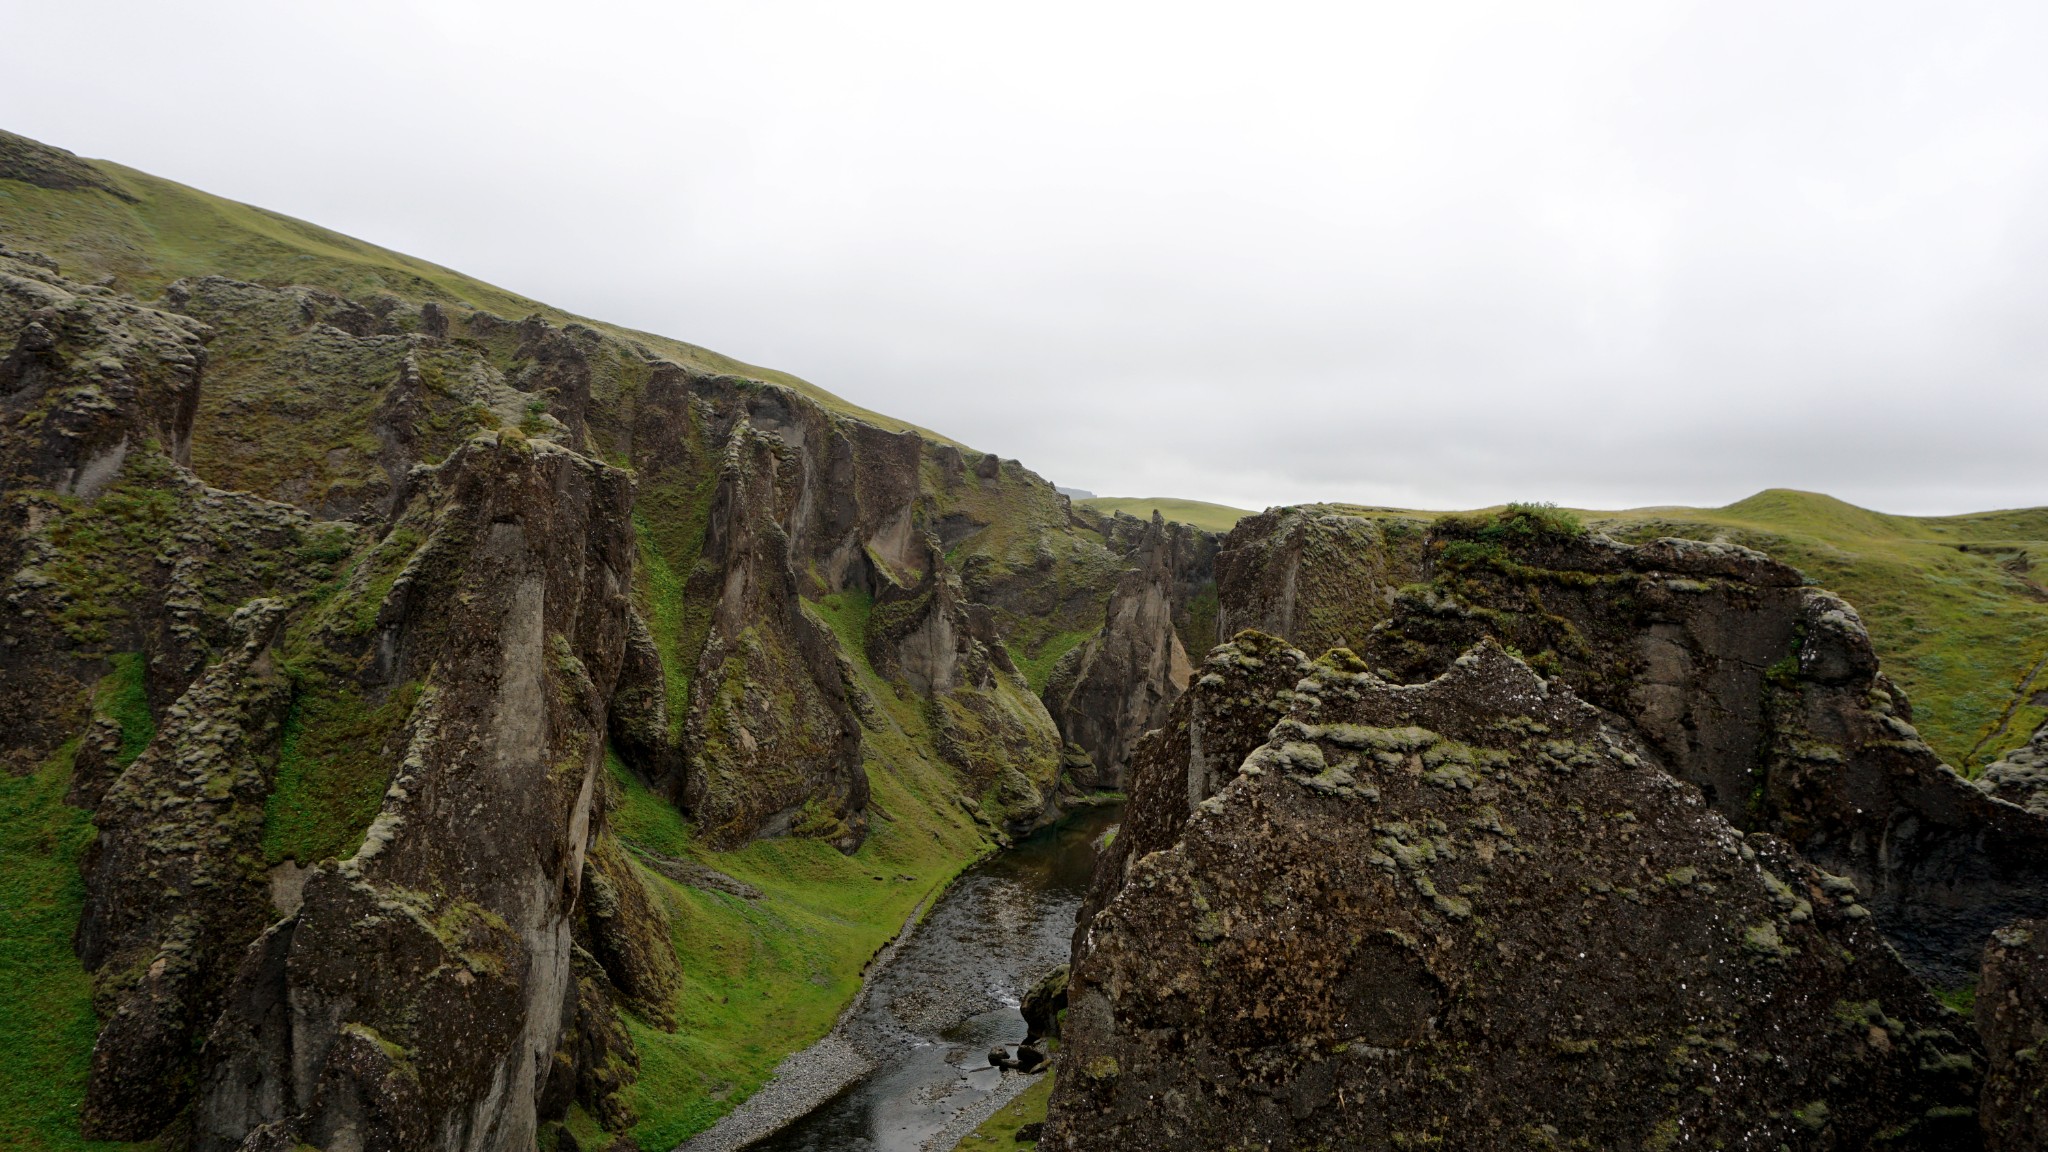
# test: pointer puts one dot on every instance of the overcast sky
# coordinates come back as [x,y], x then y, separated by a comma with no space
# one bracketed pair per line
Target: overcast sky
[1435,255]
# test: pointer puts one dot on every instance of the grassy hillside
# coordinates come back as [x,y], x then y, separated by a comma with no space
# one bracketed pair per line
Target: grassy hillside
[145,232]
[1956,605]
[1199,514]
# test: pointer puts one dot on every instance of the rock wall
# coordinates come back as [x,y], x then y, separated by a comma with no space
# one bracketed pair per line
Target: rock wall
[416,997]
[1118,685]
[1474,912]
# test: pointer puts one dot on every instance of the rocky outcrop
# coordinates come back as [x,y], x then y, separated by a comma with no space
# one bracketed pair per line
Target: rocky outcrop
[1118,685]
[626,930]
[1763,692]
[417,997]
[1320,578]
[771,741]
[1476,912]
[2021,777]
[2012,1016]
[87,379]
[985,721]
[33,162]
[1245,686]
[174,890]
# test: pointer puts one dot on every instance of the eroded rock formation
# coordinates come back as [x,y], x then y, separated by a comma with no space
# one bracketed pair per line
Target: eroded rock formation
[1118,685]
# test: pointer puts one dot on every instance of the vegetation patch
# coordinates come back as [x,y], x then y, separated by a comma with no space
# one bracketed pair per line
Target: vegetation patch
[998,1133]
[1194,513]
[47,1025]
[333,769]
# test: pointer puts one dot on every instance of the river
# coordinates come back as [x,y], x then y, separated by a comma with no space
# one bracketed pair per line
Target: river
[951,994]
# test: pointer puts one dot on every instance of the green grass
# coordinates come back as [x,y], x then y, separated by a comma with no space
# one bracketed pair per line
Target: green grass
[1197,513]
[1038,664]
[644,819]
[331,771]
[999,1132]
[47,1026]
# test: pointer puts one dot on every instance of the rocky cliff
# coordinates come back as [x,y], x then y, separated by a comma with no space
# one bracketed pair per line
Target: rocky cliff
[1117,685]
[420,597]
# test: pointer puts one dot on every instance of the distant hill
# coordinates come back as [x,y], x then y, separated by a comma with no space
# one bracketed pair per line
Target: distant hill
[1213,517]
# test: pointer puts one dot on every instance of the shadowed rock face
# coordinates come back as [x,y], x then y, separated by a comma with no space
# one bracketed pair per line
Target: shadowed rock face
[1118,685]
[770,728]
[1475,912]
[1761,691]
[2012,1015]
[416,998]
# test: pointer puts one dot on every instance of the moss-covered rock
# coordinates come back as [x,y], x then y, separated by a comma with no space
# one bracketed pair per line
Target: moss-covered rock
[1512,960]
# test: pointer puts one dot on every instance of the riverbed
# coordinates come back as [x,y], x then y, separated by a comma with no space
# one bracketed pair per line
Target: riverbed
[949,994]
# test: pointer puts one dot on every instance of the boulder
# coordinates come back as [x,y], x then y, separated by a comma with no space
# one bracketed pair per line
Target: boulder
[1479,912]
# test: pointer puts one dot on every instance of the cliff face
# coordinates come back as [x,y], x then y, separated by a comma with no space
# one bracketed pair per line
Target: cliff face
[1475,912]
[397,575]
[415,996]
[1118,685]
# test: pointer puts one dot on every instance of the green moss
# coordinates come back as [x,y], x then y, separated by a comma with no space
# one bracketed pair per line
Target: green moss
[1963,999]
[998,1133]
[333,769]
[642,818]
[47,1026]
[669,522]
[124,697]
[1515,523]
[1037,665]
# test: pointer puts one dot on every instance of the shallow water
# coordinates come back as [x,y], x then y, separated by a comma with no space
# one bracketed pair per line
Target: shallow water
[952,994]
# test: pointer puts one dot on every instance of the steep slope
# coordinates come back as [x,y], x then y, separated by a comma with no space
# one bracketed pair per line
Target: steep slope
[101,220]
[614,696]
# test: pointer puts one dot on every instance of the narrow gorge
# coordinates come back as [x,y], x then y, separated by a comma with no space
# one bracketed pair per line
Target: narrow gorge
[440,722]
